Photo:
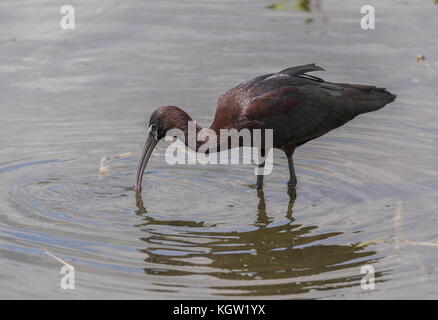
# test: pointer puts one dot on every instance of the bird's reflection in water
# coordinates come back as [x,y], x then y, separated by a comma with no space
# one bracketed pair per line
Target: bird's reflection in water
[263,220]
[281,259]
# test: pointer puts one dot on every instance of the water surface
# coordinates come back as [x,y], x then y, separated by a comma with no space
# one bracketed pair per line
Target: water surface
[367,193]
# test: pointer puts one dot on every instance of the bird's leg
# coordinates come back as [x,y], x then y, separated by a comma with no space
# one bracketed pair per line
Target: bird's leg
[292,197]
[259,184]
[293,178]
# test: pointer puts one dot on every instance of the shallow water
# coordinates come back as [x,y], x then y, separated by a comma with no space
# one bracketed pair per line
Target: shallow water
[367,193]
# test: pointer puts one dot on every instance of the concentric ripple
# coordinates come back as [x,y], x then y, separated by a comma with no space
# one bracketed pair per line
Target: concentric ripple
[205,226]
[367,192]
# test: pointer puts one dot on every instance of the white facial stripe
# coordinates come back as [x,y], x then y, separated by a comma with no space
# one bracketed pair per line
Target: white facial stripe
[155,133]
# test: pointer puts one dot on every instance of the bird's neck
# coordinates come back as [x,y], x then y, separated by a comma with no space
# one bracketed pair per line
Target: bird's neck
[195,136]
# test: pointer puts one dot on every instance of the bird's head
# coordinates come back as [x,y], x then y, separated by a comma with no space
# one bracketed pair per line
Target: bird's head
[162,120]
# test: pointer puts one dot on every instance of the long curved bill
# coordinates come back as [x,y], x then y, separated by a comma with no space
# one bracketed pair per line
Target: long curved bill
[149,146]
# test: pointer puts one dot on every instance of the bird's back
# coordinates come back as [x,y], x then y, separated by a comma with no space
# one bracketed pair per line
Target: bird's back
[296,106]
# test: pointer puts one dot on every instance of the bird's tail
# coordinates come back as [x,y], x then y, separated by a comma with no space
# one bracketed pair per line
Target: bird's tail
[369,98]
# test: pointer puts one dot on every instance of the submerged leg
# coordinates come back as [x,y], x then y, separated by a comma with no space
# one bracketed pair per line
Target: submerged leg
[259,184]
[289,150]
[293,178]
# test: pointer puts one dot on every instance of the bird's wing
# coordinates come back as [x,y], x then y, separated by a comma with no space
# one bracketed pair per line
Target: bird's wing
[302,70]
[298,107]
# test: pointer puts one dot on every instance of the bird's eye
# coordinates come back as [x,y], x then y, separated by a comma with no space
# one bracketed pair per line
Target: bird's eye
[153,128]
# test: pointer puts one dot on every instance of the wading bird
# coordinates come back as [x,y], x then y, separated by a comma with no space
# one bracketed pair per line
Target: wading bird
[298,108]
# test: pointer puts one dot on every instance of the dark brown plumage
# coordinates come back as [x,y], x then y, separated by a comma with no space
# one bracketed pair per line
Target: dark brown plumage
[296,106]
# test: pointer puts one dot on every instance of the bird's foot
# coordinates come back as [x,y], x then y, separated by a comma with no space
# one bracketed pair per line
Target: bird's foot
[292,192]
[292,189]
[292,183]
[259,186]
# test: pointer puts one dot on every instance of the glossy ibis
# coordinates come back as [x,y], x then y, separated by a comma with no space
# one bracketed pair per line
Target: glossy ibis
[298,108]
